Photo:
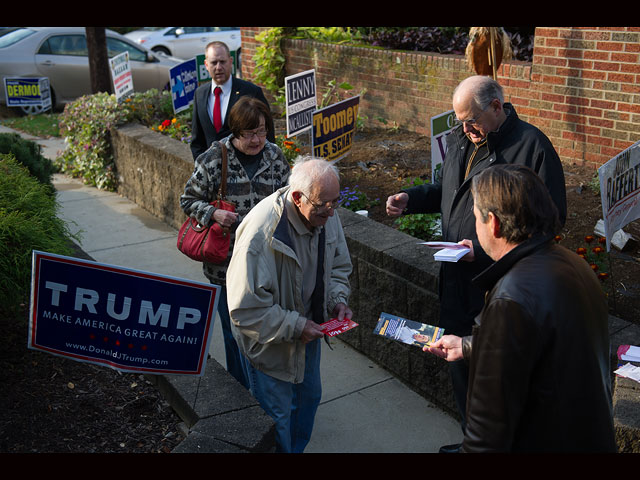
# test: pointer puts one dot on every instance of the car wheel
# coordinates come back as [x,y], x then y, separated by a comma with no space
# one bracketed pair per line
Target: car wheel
[161,50]
[37,109]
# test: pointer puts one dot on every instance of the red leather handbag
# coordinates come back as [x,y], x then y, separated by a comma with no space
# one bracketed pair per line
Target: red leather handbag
[208,244]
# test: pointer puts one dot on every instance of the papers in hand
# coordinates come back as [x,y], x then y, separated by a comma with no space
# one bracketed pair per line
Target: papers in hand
[629,353]
[629,371]
[447,251]
[407,331]
[335,327]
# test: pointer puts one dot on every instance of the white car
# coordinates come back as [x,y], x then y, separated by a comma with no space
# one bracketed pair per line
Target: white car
[185,42]
[60,54]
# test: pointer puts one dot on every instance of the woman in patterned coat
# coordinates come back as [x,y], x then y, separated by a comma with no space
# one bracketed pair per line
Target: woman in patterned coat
[256,168]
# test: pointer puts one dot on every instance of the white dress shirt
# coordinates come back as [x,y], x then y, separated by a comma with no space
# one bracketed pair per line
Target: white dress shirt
[224,99]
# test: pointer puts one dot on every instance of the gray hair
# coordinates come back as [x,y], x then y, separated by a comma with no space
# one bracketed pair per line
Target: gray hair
[483,90]
[308,171]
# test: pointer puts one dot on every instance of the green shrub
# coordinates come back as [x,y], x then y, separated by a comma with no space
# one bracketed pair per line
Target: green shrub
[425,226]
[28,153]
[28,221]
[85,124]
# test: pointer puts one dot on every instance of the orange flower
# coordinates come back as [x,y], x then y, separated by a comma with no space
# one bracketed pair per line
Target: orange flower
[603,276]
[594,267]
[589,238]
[597,250]
[557,238]
[581,251]
[602,240]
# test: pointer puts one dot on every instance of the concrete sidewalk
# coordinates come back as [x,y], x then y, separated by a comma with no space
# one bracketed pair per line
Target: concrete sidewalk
[364,409]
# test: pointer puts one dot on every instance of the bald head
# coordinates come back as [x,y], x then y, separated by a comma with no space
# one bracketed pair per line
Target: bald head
[477,102]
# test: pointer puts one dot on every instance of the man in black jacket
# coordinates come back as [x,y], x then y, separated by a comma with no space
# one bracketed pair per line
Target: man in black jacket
[219,64]
[540,379]
[489,133]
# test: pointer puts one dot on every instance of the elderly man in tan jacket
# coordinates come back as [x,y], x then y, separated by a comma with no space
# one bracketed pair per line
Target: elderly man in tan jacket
[276,303]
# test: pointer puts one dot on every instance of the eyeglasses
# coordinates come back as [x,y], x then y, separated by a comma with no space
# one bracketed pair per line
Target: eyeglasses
[248,134]
[323,207]
[471,121]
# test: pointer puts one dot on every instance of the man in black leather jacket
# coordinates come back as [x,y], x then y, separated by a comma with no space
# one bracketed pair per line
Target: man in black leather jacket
[490,133]
[540,379]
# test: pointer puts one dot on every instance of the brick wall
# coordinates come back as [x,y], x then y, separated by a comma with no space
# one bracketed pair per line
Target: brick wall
[582,88]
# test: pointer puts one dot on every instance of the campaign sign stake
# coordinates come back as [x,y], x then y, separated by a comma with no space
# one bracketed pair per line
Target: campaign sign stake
[126,319]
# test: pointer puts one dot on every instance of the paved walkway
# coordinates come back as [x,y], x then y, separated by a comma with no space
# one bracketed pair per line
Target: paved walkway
[364,408]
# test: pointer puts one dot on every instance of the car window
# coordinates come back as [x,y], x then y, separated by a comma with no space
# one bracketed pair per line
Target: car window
[116,46]
[75,45]
[196,29]
[13,36]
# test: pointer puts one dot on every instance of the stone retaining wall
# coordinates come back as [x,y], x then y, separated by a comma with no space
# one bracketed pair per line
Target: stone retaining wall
[391,274]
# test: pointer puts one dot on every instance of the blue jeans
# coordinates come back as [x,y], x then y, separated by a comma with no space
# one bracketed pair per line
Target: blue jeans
[232,353]
[293,406]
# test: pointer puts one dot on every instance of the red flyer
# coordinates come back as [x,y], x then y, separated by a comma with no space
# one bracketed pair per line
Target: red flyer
[335,327]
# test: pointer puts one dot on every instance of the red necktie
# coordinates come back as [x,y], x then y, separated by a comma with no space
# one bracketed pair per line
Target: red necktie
[217,118]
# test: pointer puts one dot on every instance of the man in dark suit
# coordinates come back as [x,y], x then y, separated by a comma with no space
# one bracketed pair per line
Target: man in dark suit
[219,64]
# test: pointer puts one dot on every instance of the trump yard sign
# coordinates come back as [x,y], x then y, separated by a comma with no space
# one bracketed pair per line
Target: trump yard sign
[126,319]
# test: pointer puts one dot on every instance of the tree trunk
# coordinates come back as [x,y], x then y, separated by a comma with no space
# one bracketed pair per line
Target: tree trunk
[99,70]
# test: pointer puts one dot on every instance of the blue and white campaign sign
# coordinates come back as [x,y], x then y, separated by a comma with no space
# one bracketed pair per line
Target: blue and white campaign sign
[183,79]
[333,129]
[126,319]
[22,92]
[441,126]
[620,190]
[301,102]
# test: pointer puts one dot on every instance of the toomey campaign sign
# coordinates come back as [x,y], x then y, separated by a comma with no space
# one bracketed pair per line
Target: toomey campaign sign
[300,94]
[333,129]
[121,75]
[126,319]
[620,190]
[441,126]
[184,81]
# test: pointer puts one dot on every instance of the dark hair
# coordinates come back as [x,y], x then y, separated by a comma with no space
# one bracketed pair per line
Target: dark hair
[246,113]
[516,195]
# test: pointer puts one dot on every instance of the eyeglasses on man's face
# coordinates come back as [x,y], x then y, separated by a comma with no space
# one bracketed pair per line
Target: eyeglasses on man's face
[323,207]
[471,121]
[248,134]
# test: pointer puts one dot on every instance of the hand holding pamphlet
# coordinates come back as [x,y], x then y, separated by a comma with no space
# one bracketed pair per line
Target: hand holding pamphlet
[448,251]
[407,331]
[335,327]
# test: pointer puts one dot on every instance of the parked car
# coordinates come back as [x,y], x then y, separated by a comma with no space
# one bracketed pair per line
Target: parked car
[185,42]
[60,53]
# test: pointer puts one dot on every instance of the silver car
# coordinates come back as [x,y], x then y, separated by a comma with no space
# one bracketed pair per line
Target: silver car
[185,42]
[60,54]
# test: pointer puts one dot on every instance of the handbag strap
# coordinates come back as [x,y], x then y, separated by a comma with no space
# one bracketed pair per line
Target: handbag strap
[222,191]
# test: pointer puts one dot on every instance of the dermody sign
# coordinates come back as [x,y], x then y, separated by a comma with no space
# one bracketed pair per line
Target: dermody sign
[22,92]
[129,320]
